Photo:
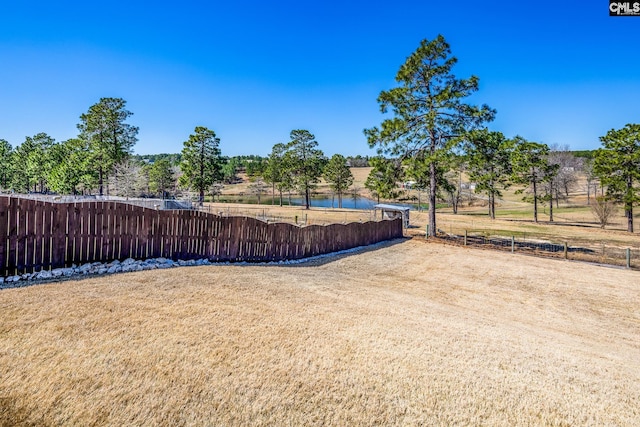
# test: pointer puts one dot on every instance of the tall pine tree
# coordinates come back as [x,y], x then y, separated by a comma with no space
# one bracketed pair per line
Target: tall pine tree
[110,139]
[488,157]
[201,161]
[617,164]
[304,161]
[430,114]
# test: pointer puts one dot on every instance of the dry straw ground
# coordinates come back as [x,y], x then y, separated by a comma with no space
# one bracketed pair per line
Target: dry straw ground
[408,334]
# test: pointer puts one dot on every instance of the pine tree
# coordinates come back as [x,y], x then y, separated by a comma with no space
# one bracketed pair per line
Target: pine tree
[201,162]
[529,162]
[304,161]
[338,175]
[110,139]
[161,177]
[618,166]
[383,179]
[489,159]
[6,152]
[430,115]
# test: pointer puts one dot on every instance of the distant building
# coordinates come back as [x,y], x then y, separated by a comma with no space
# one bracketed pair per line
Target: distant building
[393,211]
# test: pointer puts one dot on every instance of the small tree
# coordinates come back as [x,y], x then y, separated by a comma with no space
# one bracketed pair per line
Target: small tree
[274,171]
[530,167]
[618,166]
[22,179]
[31,163]
[257,188]
[161,178]
[355,195]
[338,175]
[70,169]
[201,162]
[603,209]
[591,178]
[304,162]
[216,190]
[566,177]
[255,167]
[488,157]
[451,186]
[39,161]
[230,170]
[126,178]
[383,179]
[550,178]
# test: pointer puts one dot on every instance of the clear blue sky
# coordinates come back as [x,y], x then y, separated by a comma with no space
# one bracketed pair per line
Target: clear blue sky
[557,72]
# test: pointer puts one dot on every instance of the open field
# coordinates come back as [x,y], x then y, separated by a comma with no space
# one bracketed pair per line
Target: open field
[411,333]
[573,220]
[570,225]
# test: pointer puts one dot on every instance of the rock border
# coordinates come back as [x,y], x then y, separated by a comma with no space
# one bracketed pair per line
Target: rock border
[130,264]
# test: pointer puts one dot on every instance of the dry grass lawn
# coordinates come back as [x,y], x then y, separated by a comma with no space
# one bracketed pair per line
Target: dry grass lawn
[408,334]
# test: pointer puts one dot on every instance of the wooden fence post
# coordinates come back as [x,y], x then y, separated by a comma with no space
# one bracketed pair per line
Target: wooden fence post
[628,258]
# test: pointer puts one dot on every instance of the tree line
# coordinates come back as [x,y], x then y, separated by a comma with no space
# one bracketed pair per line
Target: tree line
[491,163]
[434,130]
[100,161]
[433,136]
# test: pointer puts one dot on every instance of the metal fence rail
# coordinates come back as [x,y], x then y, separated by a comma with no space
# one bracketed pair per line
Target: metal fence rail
[36,235]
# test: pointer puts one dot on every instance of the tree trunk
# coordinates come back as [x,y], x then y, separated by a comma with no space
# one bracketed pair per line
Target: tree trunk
[307,202]
[492,206]
[100,180]
[629,206]
[551,201]
[432,198]
[339,200]
[273,195]
[535,201]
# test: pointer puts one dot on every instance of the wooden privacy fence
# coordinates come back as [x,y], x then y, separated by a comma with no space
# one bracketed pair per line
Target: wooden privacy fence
[37,235]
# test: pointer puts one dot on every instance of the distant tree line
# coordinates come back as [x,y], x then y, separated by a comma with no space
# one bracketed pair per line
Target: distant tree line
[100,161]
[434,138]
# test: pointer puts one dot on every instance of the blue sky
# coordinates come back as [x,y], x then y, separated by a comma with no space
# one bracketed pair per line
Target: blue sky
[556,72]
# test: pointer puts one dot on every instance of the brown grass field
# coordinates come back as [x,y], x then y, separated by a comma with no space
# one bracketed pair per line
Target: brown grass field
[410,333]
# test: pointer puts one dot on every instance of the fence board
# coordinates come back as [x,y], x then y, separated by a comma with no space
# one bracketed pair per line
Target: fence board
[37,235]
